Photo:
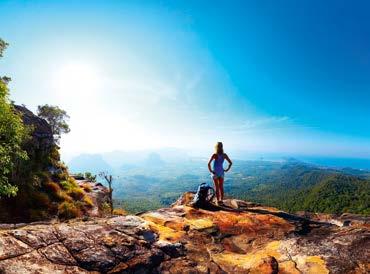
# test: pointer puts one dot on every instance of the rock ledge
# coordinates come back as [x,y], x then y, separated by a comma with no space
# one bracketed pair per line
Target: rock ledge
[238,237]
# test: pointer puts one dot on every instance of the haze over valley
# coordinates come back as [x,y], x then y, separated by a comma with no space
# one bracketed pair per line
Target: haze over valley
[146,180]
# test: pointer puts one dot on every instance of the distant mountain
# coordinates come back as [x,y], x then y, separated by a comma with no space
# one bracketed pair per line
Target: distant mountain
[118,159]
[89,162]
[154,160]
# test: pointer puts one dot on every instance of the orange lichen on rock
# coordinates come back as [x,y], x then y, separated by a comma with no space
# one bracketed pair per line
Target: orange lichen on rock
[288,267]
[312,265]
[242,222]
[261,259]
[167,228]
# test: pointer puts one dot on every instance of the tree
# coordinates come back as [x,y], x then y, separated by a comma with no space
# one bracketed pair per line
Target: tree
[3,46]
[109,179]
[12,134]
[89,176]
[56,118]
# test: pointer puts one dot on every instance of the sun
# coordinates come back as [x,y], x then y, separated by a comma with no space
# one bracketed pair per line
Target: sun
[76,79]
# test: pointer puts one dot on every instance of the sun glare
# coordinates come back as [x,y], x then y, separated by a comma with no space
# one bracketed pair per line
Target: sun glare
[76,79]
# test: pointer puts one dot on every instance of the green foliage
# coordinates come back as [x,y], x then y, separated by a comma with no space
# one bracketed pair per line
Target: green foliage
[335,194]
[68,210]
[140,204]
[304,188]
[3,46]
[69,184]
[30,164]
[12,135]
[56,117]
[106,208]
[89,176]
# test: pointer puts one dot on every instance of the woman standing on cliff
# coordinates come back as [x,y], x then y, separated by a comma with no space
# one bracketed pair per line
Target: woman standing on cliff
[218,170]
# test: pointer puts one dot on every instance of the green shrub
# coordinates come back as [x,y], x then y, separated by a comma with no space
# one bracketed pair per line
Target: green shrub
[69,184]
[12,134]
[64,185]
[105,208]
[68,210]
[54,155]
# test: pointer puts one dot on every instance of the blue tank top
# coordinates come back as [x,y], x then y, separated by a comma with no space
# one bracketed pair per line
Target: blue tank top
[218,167]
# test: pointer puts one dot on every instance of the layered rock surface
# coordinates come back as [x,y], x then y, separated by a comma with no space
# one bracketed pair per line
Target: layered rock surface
[238,237]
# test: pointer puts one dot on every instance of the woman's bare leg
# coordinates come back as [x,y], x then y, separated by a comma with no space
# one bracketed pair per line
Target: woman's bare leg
[217,187]
[221,186]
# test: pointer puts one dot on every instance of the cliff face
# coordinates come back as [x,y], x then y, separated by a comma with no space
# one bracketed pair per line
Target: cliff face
[45,188]
[240,237]
[41,133]
[40,145]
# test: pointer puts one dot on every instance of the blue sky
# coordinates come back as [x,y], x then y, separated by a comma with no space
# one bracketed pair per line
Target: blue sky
[287,77]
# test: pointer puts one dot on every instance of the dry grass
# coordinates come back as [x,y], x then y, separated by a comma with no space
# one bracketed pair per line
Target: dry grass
[52,187]
[62,196]
[119,211]
[76,193]
[87,187]
[68,210]
[88,201]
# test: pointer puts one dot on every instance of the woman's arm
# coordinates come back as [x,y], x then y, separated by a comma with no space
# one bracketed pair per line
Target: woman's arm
[229,161]
[209,163]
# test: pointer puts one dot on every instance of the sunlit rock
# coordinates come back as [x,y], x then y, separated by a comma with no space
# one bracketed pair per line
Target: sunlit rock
[237,237]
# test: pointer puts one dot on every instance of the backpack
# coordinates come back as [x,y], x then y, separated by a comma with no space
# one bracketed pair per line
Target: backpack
[203,196]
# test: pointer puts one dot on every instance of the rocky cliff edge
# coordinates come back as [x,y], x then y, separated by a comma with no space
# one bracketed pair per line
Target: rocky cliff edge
[239,237]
